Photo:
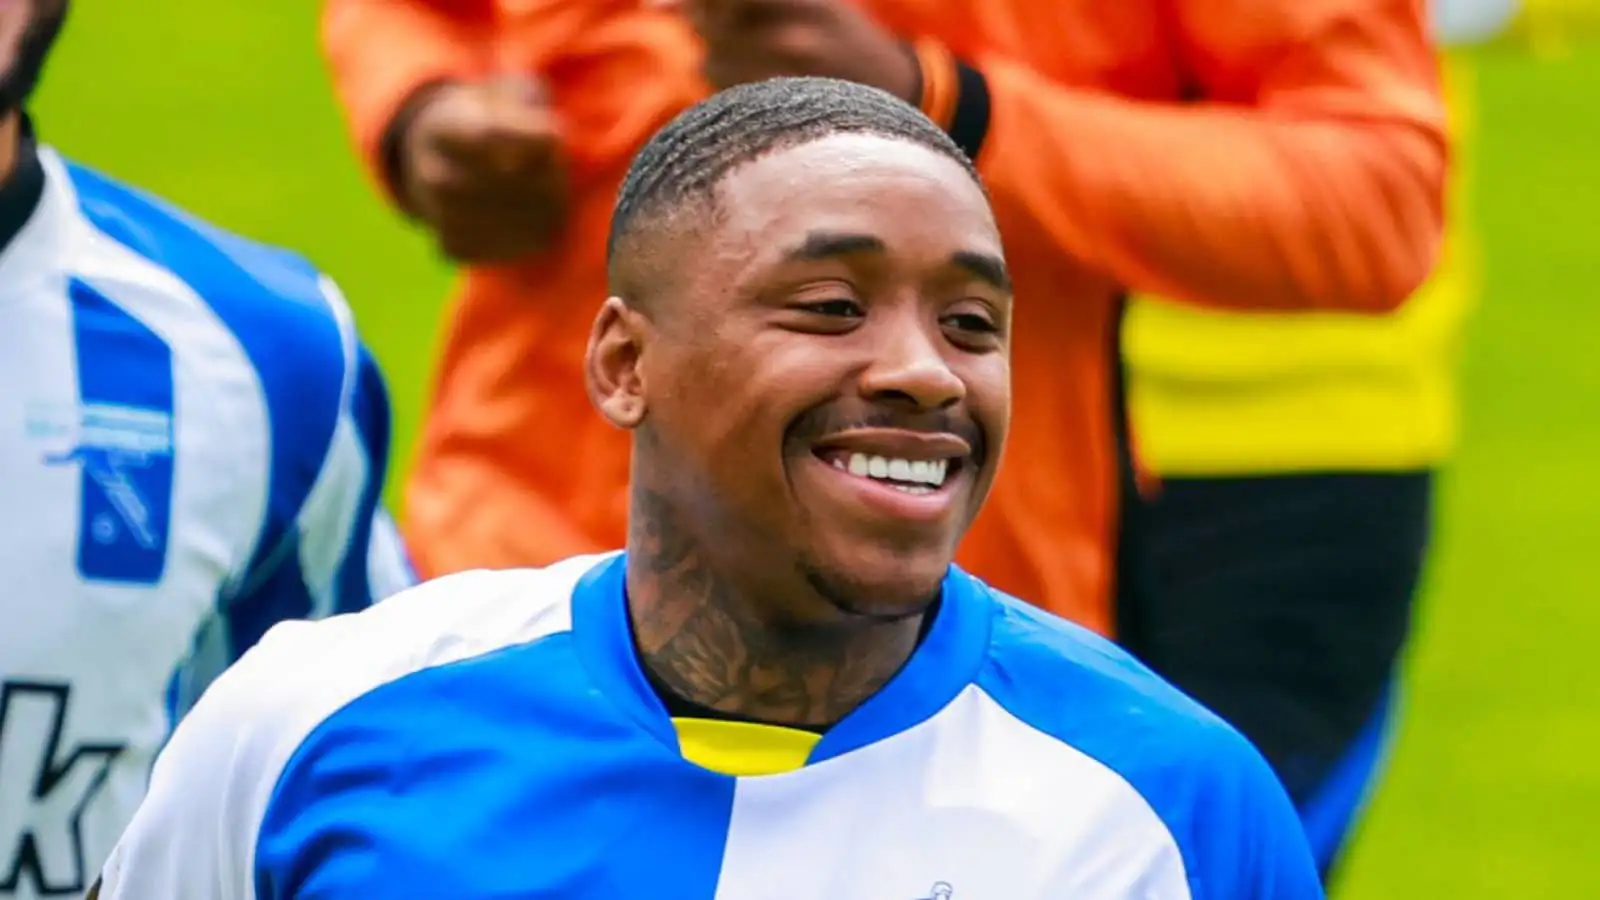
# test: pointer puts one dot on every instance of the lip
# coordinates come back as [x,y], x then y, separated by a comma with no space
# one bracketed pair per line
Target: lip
[897,442]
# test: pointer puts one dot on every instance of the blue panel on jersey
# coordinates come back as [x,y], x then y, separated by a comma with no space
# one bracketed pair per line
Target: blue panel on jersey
[506,775]
[277,594]
[1231,819]
[273,303]
[125,446]
[369,407]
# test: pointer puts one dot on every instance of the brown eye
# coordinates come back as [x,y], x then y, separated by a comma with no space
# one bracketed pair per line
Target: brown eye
[973,322]
[848,309]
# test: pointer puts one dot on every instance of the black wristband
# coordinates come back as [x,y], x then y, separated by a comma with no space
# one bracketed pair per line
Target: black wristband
[969,125]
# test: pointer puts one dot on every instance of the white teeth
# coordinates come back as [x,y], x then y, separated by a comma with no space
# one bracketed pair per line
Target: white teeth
[916,475]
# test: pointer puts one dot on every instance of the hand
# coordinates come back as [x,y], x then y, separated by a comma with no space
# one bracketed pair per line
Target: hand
[751,40]
[481,165]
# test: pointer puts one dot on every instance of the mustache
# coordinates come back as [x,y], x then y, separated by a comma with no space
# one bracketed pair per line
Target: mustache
[821,422]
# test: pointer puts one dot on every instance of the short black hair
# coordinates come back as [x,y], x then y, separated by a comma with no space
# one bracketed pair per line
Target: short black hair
[687,158]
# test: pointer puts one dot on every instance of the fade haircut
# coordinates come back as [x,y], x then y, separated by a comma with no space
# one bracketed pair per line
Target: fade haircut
[691,154]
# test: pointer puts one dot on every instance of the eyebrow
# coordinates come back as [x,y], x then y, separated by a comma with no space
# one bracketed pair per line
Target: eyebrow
[821,245]
[985,267]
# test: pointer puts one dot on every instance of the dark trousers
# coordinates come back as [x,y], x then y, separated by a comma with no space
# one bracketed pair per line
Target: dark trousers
[1280,602]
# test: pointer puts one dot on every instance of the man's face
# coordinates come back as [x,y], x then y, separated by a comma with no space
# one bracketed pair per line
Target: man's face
[829,375]
[27,29]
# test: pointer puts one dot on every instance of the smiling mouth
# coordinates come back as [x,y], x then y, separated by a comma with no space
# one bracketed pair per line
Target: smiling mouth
[907,475]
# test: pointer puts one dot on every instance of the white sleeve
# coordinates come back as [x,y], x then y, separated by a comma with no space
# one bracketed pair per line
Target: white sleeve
[389,568]
[193,836]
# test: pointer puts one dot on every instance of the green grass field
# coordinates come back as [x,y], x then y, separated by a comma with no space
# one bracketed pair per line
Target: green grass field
[224,107]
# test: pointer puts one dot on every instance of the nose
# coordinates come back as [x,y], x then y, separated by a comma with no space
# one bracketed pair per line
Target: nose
[910,367]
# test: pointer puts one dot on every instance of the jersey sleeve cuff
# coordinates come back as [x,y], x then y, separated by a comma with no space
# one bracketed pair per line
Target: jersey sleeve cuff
[955,95]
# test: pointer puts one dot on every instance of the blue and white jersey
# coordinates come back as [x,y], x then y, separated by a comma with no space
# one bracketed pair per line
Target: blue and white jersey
[492,734]
[192,445]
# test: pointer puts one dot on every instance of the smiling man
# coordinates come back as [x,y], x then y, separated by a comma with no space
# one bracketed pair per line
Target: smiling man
[781,687]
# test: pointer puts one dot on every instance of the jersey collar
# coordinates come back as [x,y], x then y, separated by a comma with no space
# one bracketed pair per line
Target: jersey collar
[944,664]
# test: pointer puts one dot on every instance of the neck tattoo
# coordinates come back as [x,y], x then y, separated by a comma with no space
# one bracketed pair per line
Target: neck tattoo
[710,646]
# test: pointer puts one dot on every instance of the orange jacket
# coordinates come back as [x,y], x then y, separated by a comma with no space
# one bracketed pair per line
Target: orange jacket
[1223,152]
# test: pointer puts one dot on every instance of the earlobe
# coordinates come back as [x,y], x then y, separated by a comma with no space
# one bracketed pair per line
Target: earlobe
[611,368]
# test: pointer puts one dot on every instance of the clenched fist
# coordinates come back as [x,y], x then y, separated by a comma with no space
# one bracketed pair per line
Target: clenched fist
[751,40]
[481,165]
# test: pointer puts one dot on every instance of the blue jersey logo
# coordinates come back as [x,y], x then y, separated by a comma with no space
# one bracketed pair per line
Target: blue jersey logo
[123,442]
[122,506]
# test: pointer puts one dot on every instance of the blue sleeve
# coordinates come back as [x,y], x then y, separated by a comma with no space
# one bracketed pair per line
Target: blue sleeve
[1263,854]
[375,563]
[368,414]
[335,551]
[340,554]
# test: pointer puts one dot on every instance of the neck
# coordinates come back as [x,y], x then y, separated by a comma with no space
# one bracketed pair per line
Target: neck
[710,642]
[10,137]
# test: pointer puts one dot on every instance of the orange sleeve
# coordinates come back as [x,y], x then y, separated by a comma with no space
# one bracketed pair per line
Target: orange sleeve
[616,71]
[1310,174]
[383,51]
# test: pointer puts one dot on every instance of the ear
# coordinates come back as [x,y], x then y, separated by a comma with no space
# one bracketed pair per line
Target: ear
[611,367]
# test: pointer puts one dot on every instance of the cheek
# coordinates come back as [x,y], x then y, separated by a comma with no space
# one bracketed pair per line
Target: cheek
[712,403]
[729,406]
[747,414]
[13,16]
[989,394]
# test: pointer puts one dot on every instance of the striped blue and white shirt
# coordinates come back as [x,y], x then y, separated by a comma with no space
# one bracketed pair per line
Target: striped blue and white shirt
[492,734]
[192,446]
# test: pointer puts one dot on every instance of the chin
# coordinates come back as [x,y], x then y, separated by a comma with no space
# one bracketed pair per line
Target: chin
[886,592]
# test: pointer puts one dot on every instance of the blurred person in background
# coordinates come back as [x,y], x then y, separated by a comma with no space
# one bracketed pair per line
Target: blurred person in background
[1307,174]
[504,130]
[1297,458]
[193,447]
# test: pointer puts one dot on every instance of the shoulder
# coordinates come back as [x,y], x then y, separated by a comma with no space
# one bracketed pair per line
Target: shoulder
[1211,789]
[265,307]
[214,780]
[289,318]
[232,273]
[1048,659]
[303,671]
